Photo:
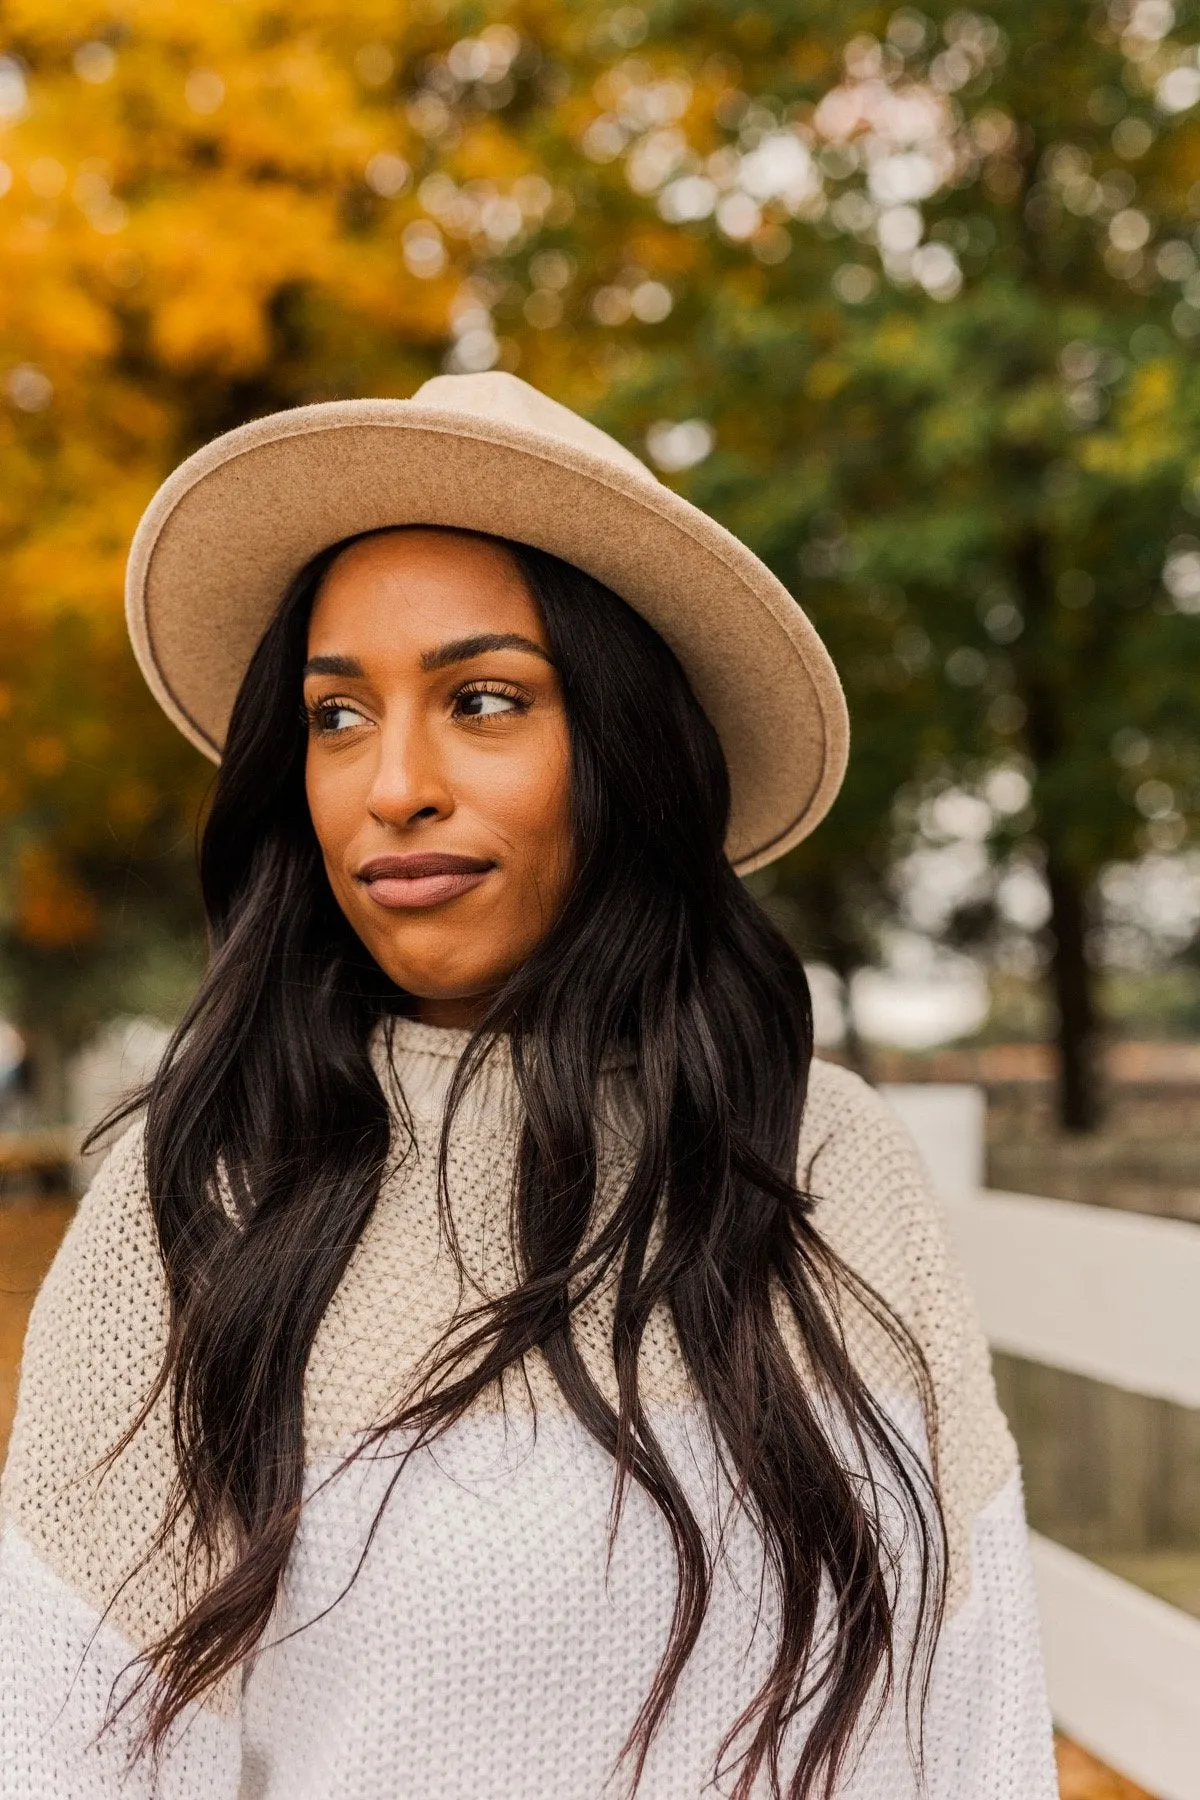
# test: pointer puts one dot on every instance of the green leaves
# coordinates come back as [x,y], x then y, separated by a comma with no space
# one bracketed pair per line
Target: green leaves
[929,276]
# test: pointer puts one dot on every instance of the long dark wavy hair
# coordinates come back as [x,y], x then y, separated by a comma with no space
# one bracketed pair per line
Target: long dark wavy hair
[268,1134]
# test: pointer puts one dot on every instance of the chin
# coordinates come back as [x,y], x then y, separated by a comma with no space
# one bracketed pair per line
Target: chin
[432,985]
[435,972]
[438,970]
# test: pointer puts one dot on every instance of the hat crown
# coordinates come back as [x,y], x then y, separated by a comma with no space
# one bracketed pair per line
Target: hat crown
[232,527]
[495,395]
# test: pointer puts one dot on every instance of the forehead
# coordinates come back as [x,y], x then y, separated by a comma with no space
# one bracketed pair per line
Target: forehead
[418,587]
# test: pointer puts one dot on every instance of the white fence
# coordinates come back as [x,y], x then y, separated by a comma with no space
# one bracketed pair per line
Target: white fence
[1116,1297]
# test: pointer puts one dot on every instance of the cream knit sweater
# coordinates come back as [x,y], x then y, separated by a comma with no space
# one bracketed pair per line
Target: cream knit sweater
[488,1649]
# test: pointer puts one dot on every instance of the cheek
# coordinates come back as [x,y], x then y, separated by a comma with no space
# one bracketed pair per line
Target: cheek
[535,812]
[334,806]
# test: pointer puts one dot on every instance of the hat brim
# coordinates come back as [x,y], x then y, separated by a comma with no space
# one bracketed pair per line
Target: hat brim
[234,524]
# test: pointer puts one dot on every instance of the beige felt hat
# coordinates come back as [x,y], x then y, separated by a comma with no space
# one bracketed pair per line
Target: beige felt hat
[227,531]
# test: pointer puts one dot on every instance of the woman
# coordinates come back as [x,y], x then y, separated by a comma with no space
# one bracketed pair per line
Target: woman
[499,1361]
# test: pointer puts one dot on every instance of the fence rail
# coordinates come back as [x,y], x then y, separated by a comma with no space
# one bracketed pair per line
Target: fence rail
[1123,1669]
[1112,1296]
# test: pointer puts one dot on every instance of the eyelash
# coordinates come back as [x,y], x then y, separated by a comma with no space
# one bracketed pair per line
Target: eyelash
[500,688]
[320,711]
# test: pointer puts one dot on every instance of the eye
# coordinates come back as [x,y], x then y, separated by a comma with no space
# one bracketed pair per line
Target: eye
[485,702]
[328,718]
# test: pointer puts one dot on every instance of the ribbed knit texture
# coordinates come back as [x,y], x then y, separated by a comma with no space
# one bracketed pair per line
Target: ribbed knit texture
[487,1648]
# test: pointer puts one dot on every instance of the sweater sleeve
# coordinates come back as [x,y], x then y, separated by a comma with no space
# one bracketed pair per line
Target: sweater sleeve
[80,1598]
[987,1726]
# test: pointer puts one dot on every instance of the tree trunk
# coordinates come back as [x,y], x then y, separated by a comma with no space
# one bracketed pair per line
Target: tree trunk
[1071,974]
[1079,1095]
[46,1076]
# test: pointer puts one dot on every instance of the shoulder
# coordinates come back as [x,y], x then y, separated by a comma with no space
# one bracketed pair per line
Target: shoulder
[96,1331]
[873,1200]
[95,1343]
[106,1279]
[848,1126]
[875,1207]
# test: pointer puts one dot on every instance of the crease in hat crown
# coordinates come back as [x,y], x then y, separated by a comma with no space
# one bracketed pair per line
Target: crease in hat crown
[507,397]
[229,529]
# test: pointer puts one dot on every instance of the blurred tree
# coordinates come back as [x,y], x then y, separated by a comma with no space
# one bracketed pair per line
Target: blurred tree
[907,298]
[204,215]
[969,437]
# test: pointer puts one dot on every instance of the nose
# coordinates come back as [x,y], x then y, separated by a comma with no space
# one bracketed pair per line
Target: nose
[410,782]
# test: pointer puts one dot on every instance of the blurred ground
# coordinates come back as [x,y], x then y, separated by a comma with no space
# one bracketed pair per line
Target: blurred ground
[1081,1777]
[1145,1159]
[29,1235]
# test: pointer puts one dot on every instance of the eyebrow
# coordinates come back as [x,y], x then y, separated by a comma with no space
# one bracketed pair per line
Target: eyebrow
[460,650]
[349,666]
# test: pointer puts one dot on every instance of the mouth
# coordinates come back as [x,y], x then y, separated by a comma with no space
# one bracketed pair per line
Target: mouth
[422,879]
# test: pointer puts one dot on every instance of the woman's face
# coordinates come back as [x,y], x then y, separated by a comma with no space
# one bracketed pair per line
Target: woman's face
[438,765]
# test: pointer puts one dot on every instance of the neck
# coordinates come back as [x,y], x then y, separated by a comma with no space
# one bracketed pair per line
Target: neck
[462,1014]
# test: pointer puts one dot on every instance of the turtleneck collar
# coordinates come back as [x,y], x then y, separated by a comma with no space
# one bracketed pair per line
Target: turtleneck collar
[423,1059]
[410,1035]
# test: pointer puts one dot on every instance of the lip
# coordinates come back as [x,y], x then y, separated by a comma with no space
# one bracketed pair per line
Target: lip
[422,879]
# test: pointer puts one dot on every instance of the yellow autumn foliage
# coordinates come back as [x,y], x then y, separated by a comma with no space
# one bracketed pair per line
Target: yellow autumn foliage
[208,212]
[177,179]
[53,910]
